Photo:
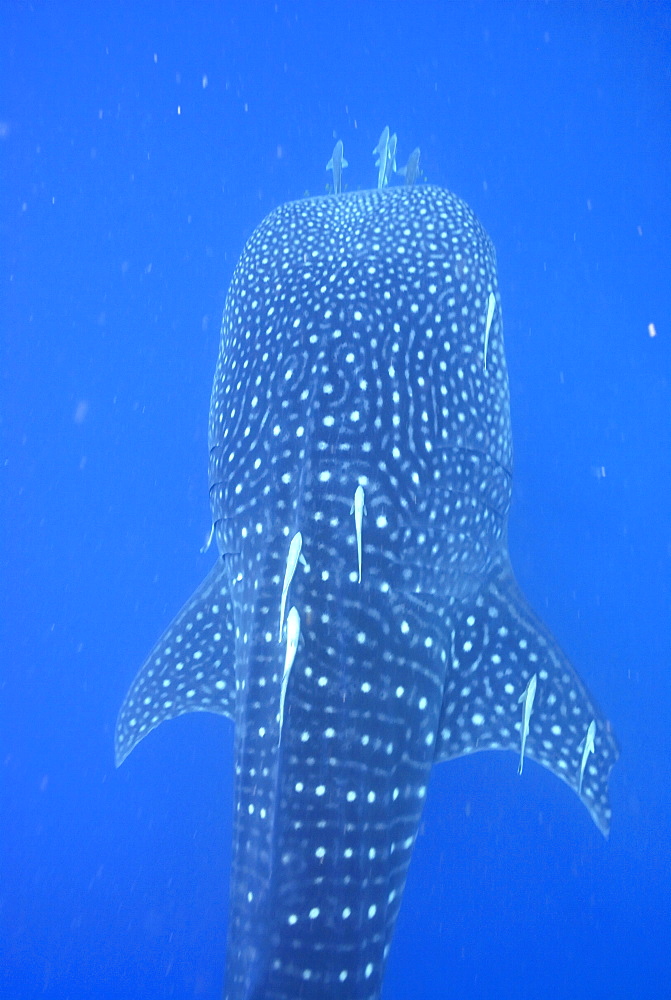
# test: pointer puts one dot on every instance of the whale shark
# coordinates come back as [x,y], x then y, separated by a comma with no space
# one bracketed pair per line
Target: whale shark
[362,621]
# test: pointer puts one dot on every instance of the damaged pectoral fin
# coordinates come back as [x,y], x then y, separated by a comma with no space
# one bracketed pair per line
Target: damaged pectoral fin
[512,688]
[190,669]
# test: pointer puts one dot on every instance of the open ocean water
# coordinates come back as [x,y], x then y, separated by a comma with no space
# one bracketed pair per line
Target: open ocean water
[140,144]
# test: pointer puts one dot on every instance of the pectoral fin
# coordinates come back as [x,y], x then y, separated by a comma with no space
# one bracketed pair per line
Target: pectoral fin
[190,669]
[498,645]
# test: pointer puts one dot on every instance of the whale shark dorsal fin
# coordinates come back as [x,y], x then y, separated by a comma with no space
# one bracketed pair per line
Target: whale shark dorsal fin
[190,669]
[499,644]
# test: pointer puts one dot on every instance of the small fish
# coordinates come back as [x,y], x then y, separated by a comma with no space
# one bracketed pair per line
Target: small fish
[358,511]
[337,163]
[205,548]
[292,560]
[391,159]
[527,697]
[293,635]
[411,170]
[491,306]
[588,748]
[381,151]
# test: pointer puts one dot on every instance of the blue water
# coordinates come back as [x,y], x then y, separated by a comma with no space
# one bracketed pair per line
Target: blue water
[140,145]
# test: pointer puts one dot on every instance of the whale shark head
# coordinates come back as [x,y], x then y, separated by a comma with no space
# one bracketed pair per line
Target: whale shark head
[362,621]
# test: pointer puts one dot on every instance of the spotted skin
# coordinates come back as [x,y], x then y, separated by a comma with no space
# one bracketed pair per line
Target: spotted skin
[353,355]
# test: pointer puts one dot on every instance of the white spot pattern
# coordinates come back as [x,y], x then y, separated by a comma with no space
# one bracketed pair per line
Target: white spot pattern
[352,356]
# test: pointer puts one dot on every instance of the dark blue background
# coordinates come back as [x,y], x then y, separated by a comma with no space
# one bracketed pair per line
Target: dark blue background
[128,189]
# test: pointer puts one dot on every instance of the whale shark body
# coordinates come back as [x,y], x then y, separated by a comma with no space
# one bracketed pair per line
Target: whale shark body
[362,621]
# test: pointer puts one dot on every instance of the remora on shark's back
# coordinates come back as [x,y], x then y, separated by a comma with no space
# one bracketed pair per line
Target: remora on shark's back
[360,478]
